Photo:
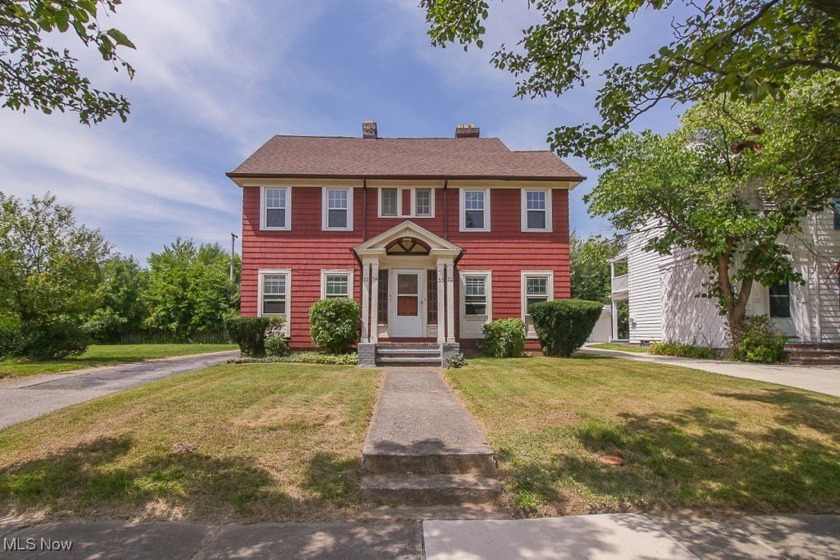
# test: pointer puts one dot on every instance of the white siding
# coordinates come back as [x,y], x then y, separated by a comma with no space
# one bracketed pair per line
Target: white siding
[603,328]
[644,289]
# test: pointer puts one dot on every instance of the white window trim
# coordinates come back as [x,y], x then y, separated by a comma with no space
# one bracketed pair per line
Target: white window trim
[523,289]
[261,273]
[524,209]
[348,273]
[264,210]
[379,213]
[462,211]
[462,312]
[413,203]
[325,208]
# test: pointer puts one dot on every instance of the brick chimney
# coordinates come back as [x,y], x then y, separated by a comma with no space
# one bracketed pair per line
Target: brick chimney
[369,129]
[466,131]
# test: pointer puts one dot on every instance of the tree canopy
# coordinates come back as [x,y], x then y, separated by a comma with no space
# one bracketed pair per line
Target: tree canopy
[747,49]
[49,264]
[590,267]
[730,184]
[33,74]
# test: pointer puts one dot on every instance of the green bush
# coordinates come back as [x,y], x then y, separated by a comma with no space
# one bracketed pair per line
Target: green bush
[504,338]
[250,332]
[10,336]
[304,358]
[276,346]
[761,342]
[56,337]
[334,324]
[105,326]
[455,362]
[681,350]
[564,325]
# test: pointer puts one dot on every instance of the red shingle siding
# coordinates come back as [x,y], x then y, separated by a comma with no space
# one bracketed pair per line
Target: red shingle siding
[306,249]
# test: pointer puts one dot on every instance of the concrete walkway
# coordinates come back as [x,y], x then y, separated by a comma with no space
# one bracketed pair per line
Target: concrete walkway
[32,397]
[820,379]
[613,536]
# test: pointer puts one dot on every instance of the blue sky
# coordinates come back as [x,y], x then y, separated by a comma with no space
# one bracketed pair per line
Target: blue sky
[216,78]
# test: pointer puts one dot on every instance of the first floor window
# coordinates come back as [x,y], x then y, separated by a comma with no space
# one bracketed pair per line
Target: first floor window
[835,206]
[780,300]
[338,209]
[474,214]
[432,297]
[275,294]
[536,210]
[475,296]
[337,284]
[536,287]
[382,306]
[276,206]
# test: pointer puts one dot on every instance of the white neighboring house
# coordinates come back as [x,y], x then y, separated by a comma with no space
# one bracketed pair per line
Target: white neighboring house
[662,289]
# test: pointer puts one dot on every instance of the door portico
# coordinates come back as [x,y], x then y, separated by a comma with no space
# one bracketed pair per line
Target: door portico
[419,291]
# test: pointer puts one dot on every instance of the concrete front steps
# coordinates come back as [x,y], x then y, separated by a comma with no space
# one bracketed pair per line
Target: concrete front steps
[813,354]
[423,448]
[408,354]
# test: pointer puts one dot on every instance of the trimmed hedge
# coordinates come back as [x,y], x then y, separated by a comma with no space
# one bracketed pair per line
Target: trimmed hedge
[334,324]
[250,332]
[564,325]
[504,338]
[304,358]
[761,343]
[681,350]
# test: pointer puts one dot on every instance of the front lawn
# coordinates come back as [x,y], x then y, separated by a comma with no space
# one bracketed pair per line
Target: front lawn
[261,442]
[689,439]
[623,347]
[106,355]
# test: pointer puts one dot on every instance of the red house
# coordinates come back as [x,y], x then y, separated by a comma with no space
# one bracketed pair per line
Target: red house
[432,236]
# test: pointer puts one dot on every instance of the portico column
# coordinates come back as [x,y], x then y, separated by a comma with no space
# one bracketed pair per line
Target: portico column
[365,301]
[374,301]
[441,301]
[450,302]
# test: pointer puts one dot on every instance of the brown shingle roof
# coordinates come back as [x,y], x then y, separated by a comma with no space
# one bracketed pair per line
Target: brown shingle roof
[322,156]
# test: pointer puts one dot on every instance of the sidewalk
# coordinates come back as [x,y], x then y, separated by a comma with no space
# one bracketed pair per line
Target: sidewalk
[820,379]
[611,536]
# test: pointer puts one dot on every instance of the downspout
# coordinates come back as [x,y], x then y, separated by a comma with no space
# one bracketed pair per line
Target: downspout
[445,211]
[364,210]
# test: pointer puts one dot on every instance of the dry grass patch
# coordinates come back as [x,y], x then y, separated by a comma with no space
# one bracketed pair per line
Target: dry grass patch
[230,443]
[689,439]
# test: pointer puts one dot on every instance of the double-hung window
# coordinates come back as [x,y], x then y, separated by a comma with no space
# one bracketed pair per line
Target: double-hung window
[276,208]
[423,203]
[780,300]
[475,209]
[536,287]
[274,290]
[475,296]
[389,202]
[336,283]
[536,210]
[338,208]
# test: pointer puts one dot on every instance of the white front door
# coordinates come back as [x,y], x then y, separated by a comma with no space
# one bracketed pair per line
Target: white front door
[406,313]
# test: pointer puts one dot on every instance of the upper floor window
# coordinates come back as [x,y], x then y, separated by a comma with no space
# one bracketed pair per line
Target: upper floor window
[389,202]
[536,210]
[276,208]
[475,209]
[422,202]
[338,208]
[274,290]
[336,283]
[780,300]
[419,199]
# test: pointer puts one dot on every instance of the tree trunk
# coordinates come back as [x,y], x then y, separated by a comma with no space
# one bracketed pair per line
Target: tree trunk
[736,312]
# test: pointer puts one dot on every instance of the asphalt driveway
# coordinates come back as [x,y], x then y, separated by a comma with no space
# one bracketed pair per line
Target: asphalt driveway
[30,398]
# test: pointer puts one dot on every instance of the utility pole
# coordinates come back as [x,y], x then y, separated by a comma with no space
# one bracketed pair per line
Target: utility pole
[233,238]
